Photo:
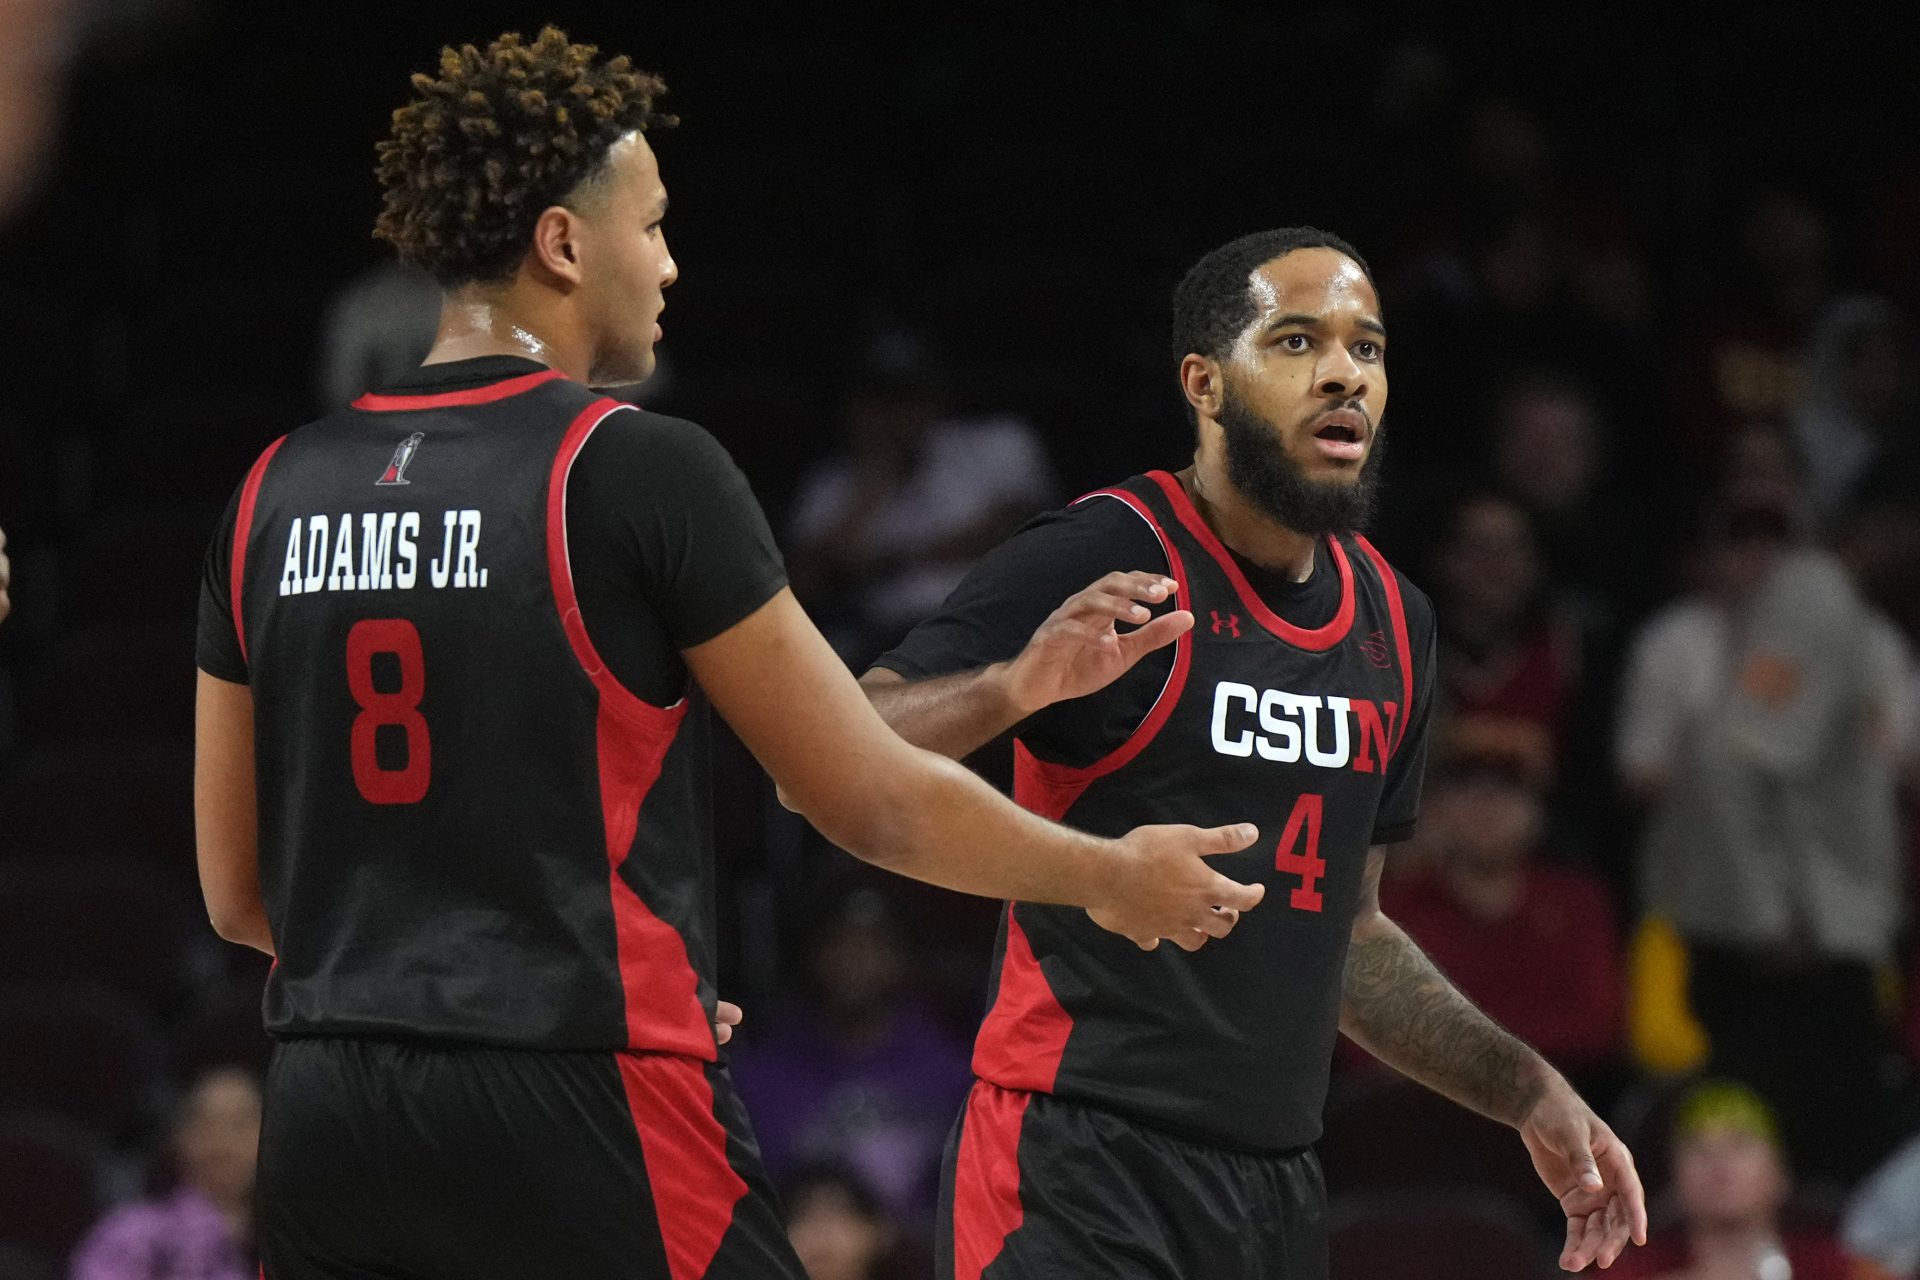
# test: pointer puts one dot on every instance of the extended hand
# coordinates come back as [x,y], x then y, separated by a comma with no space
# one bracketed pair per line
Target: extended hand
[1591,1172]
[1079,649]
[726,1016]
[1163,888]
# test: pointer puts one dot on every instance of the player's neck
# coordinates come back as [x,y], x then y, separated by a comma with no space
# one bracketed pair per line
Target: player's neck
[1250,532]
[478,321]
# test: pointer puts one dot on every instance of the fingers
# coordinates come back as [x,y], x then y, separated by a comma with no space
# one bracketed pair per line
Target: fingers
[1123,596]
[1617,1230]
[1219,923]
[1584,1235]
[726,1016]
[1226,892]
[1159,633]
[1228,839]
[1623,1179]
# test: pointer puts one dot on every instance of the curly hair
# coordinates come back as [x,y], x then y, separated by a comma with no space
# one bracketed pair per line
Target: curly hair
[1213,304]
[501,135]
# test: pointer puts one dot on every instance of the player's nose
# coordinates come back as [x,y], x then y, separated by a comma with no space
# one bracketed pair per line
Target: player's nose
[1341,376]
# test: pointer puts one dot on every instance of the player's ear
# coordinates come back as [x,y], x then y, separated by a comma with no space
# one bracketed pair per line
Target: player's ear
[556,244]
[1200,379]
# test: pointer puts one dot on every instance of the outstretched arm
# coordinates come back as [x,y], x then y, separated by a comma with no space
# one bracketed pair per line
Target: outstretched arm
[1077,650]
[1400,1008]
[914,813]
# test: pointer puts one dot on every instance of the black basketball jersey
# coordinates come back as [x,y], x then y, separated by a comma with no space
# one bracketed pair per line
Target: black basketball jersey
[469,830]
[1292,729]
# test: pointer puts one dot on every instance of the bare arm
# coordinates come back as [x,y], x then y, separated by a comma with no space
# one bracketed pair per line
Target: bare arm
[798,710]
[225,821]
[1399,1007]
[1076,651]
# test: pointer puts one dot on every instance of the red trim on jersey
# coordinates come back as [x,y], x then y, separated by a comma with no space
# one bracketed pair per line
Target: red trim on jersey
[986,1178]
[684,1147]
[242,534]
[1396,609]
[1050,789]
[407,402]
[1318,639]
[1024,1034]
[560,569]
[657,978]
[661,989]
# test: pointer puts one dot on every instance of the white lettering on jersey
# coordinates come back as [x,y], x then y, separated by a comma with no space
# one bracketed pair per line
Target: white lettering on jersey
[409,571]
[322,556]
[292,572]
[1289,725]
[1223,692]
[441,570]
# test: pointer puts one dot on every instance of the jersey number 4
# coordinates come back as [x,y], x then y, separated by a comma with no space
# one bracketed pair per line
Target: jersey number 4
[398,709]
[1299,852]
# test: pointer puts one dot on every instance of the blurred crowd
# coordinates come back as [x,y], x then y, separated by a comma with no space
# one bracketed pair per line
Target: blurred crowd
[1662,481]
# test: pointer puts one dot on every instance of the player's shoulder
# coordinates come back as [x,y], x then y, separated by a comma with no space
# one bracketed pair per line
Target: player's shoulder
[633,436]
[1417,604]
[1097,530]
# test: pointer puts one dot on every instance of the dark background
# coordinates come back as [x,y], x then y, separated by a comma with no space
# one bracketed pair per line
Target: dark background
[1022,183]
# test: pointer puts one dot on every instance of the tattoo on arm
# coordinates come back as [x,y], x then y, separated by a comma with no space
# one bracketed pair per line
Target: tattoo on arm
[1399,1007]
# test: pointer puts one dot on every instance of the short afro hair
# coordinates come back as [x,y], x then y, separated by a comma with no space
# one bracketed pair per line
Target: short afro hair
[501,135]
[1213,303]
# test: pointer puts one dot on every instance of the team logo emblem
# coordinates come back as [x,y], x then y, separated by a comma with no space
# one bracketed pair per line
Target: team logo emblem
[1375,647]
[396,472]
[1231,622]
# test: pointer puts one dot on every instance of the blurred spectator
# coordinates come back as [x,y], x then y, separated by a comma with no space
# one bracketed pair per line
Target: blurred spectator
[1731,1181]
[881,534]
[839,1227]
[1510,653]
[379,326]
[1759,724]
[1535,944]
[203,1230]
[1746,362]
[1882,1224]
[861,1074]
[1550,455]
[1858,408]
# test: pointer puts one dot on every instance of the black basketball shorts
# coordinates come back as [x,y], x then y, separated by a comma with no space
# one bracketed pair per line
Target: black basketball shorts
[393,1159]
[1036,1187]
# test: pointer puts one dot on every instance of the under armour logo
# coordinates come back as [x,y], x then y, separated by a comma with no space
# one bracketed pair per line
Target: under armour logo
[1231,622]
[1375,647]
[396,472]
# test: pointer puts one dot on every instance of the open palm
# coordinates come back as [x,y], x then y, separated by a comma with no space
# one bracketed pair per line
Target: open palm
[1079,648]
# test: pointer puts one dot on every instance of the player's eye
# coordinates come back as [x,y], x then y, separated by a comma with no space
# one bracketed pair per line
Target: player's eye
[1296,342]
[1368,350]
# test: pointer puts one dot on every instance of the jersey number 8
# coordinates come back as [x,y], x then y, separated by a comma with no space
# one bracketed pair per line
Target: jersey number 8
[401,708]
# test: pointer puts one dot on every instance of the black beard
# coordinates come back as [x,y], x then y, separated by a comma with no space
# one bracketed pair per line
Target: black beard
[1258,466]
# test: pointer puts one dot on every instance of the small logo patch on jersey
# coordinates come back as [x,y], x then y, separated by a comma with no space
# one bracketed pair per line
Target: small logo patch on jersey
[396,472]
[1375,647]
[1231,622]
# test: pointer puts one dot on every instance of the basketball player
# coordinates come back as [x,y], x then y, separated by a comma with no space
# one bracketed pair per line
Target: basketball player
[451,771]
[1153,1115]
